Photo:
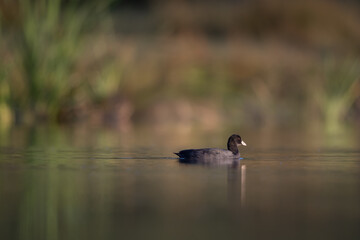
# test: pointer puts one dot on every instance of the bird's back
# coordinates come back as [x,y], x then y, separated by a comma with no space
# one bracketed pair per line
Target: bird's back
[206,155]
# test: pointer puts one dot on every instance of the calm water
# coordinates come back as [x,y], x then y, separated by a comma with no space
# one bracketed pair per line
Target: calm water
[65,191]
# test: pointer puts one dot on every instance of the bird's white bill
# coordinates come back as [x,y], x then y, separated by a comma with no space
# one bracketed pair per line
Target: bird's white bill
[243,143]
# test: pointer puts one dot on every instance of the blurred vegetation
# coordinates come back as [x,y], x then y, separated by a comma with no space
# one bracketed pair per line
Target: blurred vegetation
[179,64]
[342,88]
[43,48]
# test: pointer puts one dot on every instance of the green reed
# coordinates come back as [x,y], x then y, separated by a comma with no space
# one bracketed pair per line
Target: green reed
[50,41]
[46,52]
[340,81]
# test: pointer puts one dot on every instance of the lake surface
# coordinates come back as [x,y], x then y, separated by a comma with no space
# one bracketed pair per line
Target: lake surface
[55,186]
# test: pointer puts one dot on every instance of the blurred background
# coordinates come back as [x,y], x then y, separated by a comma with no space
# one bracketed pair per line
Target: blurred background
[96,95]
[180,65]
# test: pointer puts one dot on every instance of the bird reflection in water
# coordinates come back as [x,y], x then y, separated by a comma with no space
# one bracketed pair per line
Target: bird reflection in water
[237,185]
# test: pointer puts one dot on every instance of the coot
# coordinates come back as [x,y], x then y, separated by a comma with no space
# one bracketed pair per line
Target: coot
[213,155]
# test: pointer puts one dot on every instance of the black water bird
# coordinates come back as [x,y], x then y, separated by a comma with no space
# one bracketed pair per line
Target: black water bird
[213,155]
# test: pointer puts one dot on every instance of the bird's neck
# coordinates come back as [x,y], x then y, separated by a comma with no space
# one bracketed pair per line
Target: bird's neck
[232,146]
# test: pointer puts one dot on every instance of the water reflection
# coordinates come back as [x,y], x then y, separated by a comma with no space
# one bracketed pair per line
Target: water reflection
[105,193]
[236,183]
[243,185]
